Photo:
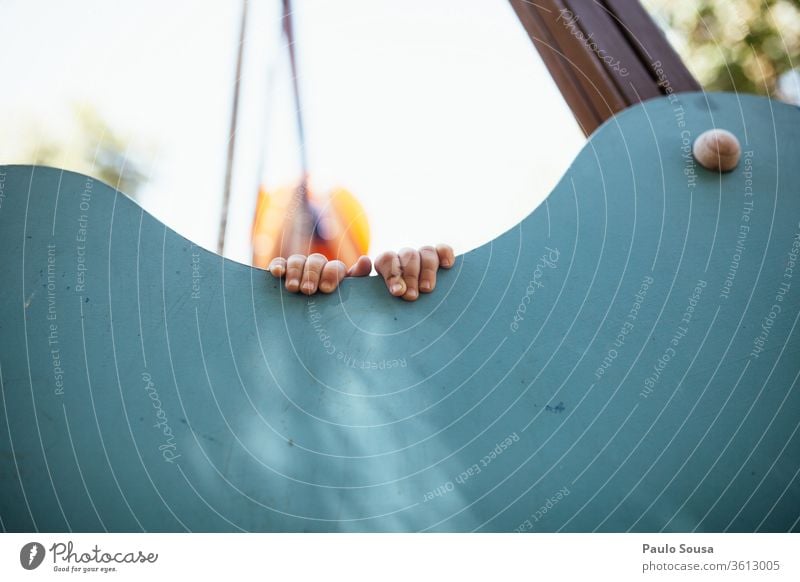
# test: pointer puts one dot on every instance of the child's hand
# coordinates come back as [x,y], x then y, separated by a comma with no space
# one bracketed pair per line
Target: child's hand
[407,273]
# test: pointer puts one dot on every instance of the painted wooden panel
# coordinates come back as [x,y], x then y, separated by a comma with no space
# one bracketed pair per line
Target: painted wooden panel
[625,358]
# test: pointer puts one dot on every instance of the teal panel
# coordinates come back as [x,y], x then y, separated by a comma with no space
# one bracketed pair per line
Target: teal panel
[624,359]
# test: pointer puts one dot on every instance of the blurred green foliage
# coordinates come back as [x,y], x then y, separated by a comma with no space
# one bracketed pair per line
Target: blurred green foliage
[94,149]
[733,45]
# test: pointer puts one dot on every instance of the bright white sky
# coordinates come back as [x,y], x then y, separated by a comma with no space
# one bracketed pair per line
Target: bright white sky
[437,114]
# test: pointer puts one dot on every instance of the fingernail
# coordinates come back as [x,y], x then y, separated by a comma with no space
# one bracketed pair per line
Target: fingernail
[325,286]
[412,294]
[292,283]
[425,285]
[308,286]
[396,288]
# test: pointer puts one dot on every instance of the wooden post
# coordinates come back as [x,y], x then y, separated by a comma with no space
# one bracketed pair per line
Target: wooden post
[604,55]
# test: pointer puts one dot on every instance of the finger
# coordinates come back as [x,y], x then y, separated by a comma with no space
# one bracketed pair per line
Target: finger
[388,266]
[294,270]
[447,258]
[277,267]
[312,272]
[410,264]
[361,268]
[332,274]
[429,264]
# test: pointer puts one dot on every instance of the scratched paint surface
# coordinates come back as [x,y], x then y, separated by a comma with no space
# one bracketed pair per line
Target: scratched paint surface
[625,358]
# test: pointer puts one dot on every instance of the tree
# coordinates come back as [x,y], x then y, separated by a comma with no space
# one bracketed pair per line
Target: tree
[733,45]
[94,149]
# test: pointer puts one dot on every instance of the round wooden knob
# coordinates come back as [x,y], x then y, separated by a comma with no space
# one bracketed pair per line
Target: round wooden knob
[717,149]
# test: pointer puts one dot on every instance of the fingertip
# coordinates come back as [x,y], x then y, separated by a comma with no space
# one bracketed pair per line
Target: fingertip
[332,274]
[361,268]
[447,257]
[277,267]
[411,295]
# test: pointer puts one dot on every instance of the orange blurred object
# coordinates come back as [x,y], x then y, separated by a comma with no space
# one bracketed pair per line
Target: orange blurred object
[292,219]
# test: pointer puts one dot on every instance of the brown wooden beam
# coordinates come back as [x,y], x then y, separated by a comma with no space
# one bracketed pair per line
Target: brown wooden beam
[601,54]
[649,41]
